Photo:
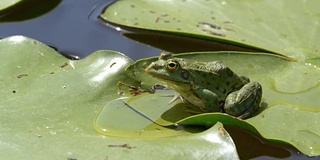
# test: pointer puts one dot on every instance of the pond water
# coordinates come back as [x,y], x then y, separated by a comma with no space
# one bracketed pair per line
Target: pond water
[73,28]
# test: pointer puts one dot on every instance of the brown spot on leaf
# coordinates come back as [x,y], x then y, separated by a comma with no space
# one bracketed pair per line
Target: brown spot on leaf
[112,64]
[64,65]
[121,146]
[22,75]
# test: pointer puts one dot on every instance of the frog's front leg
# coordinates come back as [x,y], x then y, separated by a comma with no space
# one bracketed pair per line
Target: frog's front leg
[244,102]
[134,91]
[209,100]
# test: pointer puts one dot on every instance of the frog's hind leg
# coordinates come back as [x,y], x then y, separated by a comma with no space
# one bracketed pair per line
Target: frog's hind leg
[245,102]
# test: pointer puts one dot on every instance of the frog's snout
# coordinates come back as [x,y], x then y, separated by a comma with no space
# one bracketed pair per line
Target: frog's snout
[148,69]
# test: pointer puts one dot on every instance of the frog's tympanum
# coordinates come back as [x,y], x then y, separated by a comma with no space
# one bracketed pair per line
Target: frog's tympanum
[211,86]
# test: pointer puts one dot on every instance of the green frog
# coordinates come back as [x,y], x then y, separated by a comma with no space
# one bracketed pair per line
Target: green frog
[211,86]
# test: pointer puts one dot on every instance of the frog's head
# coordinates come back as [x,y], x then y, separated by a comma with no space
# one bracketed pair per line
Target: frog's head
[169,71]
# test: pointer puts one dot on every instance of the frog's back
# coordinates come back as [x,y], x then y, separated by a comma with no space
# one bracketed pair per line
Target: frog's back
[214,76]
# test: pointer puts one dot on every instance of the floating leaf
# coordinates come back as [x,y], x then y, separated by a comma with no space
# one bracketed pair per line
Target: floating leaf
[282,27]
[7,3]
[19,10]
[48,104]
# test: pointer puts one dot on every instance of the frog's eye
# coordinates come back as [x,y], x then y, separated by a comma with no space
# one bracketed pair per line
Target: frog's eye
[172,65]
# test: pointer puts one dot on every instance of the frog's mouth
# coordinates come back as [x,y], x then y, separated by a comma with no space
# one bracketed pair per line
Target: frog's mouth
[170,80]
[166,78]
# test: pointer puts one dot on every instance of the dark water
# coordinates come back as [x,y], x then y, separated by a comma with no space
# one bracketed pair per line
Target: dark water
[73,28]
[69,29]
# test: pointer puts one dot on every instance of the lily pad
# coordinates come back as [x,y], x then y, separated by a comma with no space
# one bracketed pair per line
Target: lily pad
[19,10]
[290,91]
[48,104]
[7,3]
[282,27]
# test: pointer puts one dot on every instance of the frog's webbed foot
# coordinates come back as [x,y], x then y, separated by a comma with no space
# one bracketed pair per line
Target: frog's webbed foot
[133,90]
[245,102]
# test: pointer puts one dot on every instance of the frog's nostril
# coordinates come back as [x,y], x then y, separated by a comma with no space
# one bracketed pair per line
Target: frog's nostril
[154,65]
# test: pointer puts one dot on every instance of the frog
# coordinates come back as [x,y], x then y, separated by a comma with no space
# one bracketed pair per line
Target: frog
[210,86]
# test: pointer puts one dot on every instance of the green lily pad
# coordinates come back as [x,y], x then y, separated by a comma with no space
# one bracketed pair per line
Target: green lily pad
[19,10]
[282,27]
[290,91]
[7,3]
[48,104]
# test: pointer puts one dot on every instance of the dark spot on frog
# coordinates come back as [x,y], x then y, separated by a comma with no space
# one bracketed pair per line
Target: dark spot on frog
[132,6]
[229,73]
[233,88]
[166,21]
[14,92]
[152,11]
[213,18]
[184,75]
[51,72]
[204,76]
[133,72]
[22,75]
[64,65]
[227,83]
